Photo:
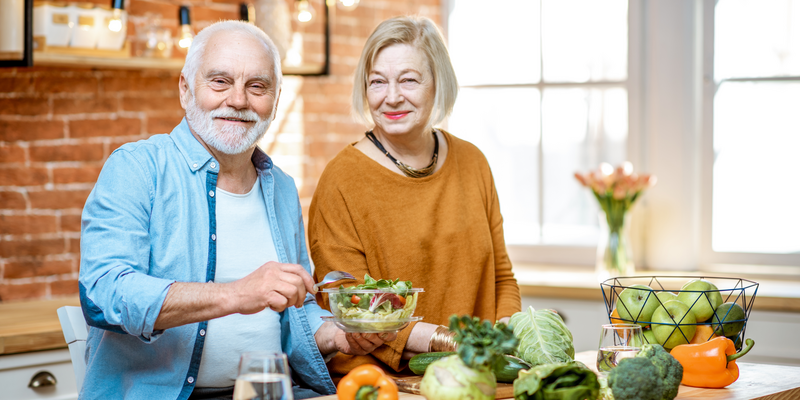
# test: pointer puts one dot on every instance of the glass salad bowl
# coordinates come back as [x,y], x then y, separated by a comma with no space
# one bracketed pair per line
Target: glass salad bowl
[372,310]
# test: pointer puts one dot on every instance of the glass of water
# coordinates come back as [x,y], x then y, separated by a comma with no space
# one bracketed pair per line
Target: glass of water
[263,376]
[617,342]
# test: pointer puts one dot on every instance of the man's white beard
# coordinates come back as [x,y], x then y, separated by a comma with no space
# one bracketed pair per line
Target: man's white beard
[230,139]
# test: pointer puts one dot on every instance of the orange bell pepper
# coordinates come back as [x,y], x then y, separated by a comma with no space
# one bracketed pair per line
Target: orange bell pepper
[367,382]
[711,364]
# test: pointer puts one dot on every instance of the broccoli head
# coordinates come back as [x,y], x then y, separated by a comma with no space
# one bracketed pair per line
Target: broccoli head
[669,369]
[635,379]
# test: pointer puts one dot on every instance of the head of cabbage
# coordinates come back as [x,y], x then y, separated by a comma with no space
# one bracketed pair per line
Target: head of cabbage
[543,337]
[450,379]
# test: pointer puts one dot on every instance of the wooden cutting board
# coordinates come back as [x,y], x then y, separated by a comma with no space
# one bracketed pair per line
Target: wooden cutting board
[410,384]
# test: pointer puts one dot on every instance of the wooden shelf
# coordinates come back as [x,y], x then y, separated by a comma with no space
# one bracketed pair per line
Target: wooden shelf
[43,59]
[81,61]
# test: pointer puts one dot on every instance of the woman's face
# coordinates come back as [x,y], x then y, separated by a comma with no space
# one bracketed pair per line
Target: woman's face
[400,90]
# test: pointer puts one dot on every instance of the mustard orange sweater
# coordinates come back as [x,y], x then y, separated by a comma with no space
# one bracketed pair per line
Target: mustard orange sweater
[443,232]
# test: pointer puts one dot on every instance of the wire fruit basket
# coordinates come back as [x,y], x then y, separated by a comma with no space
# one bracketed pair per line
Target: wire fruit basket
[708,307]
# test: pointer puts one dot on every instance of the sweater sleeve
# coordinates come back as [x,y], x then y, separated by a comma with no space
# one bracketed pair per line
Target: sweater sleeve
[507,294]
[332,236]
[335,246]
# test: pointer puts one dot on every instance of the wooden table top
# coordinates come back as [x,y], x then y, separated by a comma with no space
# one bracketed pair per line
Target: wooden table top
[756,381]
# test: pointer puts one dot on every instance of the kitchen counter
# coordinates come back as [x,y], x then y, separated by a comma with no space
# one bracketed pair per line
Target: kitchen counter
[576,283]
[33,325]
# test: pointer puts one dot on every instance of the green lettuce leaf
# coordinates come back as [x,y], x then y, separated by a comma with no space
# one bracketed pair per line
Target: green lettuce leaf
[543,337]
[560,381]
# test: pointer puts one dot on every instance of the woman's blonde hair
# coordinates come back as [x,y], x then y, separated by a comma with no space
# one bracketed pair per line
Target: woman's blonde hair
[419,32]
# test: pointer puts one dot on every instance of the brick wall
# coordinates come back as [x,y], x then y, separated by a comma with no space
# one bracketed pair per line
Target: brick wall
[58,125]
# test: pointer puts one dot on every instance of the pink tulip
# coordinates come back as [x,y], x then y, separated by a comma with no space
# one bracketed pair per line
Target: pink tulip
[581,179]
[619,193]
[621,182]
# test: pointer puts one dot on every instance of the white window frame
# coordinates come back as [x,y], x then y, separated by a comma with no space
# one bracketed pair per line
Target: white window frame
[670,129]
[582,255]
[727,261]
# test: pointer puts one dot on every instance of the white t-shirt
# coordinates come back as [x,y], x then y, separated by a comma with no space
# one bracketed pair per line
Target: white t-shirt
[244,243]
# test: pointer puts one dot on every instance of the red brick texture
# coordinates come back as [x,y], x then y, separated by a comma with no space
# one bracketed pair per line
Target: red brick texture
[58,126]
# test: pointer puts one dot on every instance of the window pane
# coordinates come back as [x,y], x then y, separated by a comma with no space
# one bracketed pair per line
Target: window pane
[504,124]
[755,187]
[585,40]
[757,38]
[581,129]
[495,42]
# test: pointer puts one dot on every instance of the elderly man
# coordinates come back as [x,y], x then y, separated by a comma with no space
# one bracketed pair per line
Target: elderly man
[192,244]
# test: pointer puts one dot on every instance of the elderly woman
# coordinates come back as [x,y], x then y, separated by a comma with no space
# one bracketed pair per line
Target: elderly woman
[410,201]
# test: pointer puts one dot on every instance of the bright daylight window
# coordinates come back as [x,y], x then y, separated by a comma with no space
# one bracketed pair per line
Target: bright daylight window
[543,95]
[756,127]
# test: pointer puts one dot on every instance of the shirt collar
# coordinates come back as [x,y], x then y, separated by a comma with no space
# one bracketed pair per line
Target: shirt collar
[196,156]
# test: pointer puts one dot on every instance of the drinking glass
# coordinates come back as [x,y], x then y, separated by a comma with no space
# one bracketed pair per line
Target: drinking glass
[263,376]
[617,342]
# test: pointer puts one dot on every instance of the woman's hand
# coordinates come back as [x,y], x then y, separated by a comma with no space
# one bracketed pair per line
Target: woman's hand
[329,338]
[419,340]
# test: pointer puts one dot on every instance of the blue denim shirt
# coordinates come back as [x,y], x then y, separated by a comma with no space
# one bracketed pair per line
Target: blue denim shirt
[149,222]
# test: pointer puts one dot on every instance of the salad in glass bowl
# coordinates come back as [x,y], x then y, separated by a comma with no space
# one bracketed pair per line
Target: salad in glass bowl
[375,306]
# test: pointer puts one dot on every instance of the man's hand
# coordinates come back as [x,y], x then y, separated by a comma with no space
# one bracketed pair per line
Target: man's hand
[329,338]
[273,285]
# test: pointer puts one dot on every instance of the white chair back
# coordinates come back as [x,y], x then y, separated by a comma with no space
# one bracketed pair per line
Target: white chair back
[75,333]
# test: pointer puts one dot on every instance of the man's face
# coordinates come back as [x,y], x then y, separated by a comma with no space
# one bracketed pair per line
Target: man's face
[235,93]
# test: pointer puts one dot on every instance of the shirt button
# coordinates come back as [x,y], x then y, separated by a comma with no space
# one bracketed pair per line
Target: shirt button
[213,165]
[190,380]
[202,332]
[213,237]
[211,193]
[194,165]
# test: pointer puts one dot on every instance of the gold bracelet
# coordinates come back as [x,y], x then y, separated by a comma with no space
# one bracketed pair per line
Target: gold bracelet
[442,340]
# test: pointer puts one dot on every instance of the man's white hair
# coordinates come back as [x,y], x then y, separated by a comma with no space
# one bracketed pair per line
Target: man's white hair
[198,47]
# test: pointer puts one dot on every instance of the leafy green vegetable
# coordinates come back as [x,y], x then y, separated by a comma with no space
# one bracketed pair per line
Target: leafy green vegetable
[468,374]
[395,286]
[543,337]
[559,381]
[480,344]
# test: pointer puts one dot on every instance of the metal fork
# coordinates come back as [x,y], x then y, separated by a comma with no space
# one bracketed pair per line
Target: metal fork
[334,276]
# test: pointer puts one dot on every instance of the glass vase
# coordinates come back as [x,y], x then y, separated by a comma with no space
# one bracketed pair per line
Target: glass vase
[614,254]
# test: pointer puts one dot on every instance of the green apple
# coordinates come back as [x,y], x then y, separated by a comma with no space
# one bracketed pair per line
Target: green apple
[673,324]
[728,320]
[646,337]
[638,304]
[650,337]
[702,297]
[666,296]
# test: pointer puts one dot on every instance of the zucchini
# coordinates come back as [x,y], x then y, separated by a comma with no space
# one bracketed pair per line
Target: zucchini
[420,362]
